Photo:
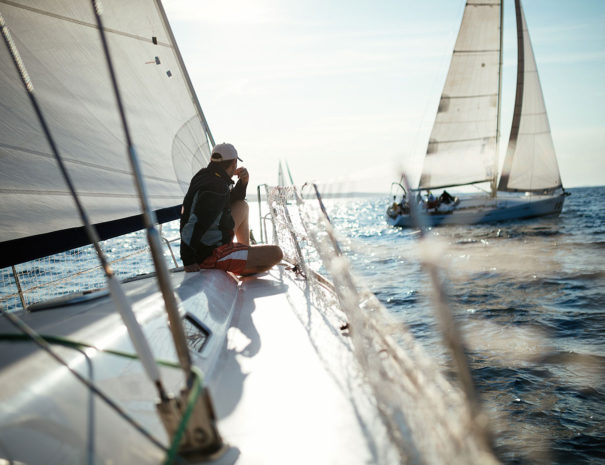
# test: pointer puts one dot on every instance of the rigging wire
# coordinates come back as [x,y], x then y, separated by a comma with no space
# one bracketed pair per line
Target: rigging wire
[45,341]
[169,407]
[117,293]
[176,325]
[45,346]
[452,338]
[289,172]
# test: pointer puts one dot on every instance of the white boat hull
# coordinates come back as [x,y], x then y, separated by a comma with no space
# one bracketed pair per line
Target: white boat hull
[48,417]
[483,210]
[281,373]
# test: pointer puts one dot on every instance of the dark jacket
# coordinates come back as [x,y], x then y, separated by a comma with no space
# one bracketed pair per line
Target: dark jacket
[206,221]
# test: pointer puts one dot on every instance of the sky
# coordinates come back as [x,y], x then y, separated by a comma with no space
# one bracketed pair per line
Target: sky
[345,91]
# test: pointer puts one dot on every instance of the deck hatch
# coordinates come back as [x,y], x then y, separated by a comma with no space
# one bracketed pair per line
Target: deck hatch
[197,333]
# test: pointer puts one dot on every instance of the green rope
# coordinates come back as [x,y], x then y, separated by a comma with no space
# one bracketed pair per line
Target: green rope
[194,393]
[80,345]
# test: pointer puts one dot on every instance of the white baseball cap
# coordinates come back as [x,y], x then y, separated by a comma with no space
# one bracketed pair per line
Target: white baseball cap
[224,152]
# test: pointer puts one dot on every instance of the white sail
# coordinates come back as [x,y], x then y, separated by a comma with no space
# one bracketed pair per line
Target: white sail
[531,162]
[61,49]
[462,145]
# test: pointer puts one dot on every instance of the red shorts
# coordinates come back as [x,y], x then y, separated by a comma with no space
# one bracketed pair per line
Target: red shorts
[228,257]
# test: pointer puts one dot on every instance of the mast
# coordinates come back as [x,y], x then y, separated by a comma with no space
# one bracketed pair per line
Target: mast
[494,182]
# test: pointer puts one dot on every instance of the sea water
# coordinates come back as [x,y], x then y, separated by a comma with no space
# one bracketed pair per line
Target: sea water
[529,299]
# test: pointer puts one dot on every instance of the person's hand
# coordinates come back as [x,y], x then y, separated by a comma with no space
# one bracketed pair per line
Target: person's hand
[242,174]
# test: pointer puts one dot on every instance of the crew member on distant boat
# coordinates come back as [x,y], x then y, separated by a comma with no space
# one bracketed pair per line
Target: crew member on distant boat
[447,198]
[431,201]
[214,213]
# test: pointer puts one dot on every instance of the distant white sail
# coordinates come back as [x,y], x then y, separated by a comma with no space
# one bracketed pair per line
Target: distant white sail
[462,145]
[531,162]
[281,180]
[60,47]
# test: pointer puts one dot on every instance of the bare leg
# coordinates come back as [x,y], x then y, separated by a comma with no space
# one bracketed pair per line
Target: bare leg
[261,258]
[239,212]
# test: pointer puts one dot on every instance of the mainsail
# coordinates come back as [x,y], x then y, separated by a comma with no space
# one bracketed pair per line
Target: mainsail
[59,44]
[531,162]
[463,143]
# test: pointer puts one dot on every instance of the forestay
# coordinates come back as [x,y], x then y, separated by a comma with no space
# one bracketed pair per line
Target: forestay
[60,47]
[531,163]
[462,145]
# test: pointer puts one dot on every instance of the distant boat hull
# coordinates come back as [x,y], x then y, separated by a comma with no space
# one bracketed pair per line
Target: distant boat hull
[475,210]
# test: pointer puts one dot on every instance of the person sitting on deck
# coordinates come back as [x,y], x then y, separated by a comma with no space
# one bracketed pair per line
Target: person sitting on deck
[446,198]
[213,213]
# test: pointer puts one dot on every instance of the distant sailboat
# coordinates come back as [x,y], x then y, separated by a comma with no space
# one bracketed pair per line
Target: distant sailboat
[281,176]
[281,180]
[463,146]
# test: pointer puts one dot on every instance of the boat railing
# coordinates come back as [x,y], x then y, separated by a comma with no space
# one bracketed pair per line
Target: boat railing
[168,242]
[397,189]
[77,271]
[264,219]
[398,370]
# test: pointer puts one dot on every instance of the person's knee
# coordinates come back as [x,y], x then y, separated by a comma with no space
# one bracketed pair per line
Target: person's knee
[276,254]
[267,255]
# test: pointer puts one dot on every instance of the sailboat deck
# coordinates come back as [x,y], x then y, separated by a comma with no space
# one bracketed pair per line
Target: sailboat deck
[288,390]
[282,375]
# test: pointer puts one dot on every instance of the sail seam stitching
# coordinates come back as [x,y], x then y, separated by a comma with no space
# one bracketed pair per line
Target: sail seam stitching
[468,96]
[532,133]
[461,140]
[477,51]
[80,22]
